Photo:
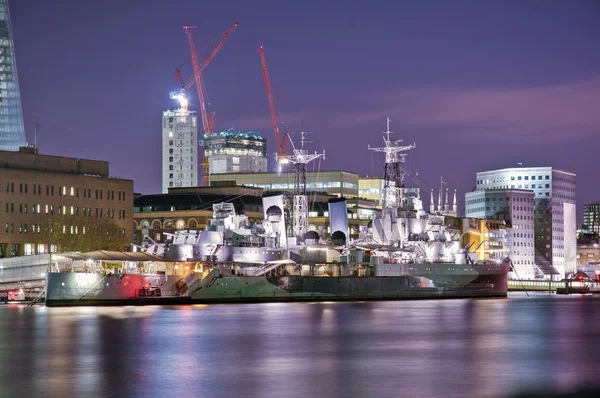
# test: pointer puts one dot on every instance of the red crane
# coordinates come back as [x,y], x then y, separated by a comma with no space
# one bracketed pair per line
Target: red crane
[208,122]
[280,143]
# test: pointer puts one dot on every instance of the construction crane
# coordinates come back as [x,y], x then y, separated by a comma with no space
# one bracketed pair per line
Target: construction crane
[280,142]
[208,121]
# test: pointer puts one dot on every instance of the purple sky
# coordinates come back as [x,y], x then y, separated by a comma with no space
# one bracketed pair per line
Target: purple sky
[477,85]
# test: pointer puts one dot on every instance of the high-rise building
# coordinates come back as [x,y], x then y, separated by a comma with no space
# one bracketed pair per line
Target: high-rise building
[179,149]
[591,218]
[554,211]
[233,151]
[515,208]
[12,130]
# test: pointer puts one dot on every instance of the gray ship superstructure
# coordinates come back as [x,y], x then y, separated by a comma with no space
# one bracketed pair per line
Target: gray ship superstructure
[228,237]
[404,253]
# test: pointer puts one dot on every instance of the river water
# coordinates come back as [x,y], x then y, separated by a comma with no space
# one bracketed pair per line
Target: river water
[447,348]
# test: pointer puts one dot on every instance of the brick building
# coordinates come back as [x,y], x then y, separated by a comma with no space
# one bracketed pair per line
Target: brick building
[35,187]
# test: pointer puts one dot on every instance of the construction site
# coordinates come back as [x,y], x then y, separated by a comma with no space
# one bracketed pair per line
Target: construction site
[230,150]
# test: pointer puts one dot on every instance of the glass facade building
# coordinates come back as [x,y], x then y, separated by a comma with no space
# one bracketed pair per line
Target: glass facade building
[591,218]
[12,129]
[234,151]
[554,196]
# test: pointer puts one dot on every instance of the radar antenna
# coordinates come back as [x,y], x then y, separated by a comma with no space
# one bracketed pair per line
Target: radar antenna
[300,158]
[393,173]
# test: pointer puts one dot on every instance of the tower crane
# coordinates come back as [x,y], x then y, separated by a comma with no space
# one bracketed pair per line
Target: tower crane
[278,140]
[208,121]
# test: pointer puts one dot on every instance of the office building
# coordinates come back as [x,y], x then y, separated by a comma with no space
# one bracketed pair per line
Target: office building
[554,211]
[591,218]
[486,237]
[371,188]
[234,151]
[336,182]
[12,130]
[588,251]
[516,208]
[179,148]
[34,188]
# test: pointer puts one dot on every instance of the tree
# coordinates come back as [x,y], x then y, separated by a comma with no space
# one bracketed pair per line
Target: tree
[84,234]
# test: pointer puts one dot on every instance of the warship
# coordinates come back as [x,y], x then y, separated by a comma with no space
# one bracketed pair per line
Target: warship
[404,253]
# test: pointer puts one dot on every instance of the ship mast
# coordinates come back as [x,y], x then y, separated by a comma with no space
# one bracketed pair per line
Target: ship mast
[300,158]
[393,173]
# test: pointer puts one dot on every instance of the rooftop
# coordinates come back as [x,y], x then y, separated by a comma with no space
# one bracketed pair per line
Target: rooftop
[28,159]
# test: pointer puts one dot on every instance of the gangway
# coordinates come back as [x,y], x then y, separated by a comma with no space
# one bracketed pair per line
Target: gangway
[38,299]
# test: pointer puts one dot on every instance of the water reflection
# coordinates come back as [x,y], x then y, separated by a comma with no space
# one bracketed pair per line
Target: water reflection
[482,348]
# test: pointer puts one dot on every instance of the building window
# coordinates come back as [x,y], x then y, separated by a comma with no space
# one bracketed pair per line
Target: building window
[156,225]
[192,225]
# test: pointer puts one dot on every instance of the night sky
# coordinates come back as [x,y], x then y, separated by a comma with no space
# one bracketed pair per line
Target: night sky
[477,85]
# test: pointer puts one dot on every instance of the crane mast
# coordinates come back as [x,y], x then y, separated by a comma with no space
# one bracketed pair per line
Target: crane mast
[280,143]
[208,121]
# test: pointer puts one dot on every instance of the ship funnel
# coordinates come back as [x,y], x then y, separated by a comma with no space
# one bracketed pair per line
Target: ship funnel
[275,217]
[338,221]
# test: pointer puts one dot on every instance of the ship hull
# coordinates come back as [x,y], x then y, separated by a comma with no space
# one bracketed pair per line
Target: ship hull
[67,290]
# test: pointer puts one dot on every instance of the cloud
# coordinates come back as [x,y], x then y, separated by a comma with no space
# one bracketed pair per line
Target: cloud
[551,112]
